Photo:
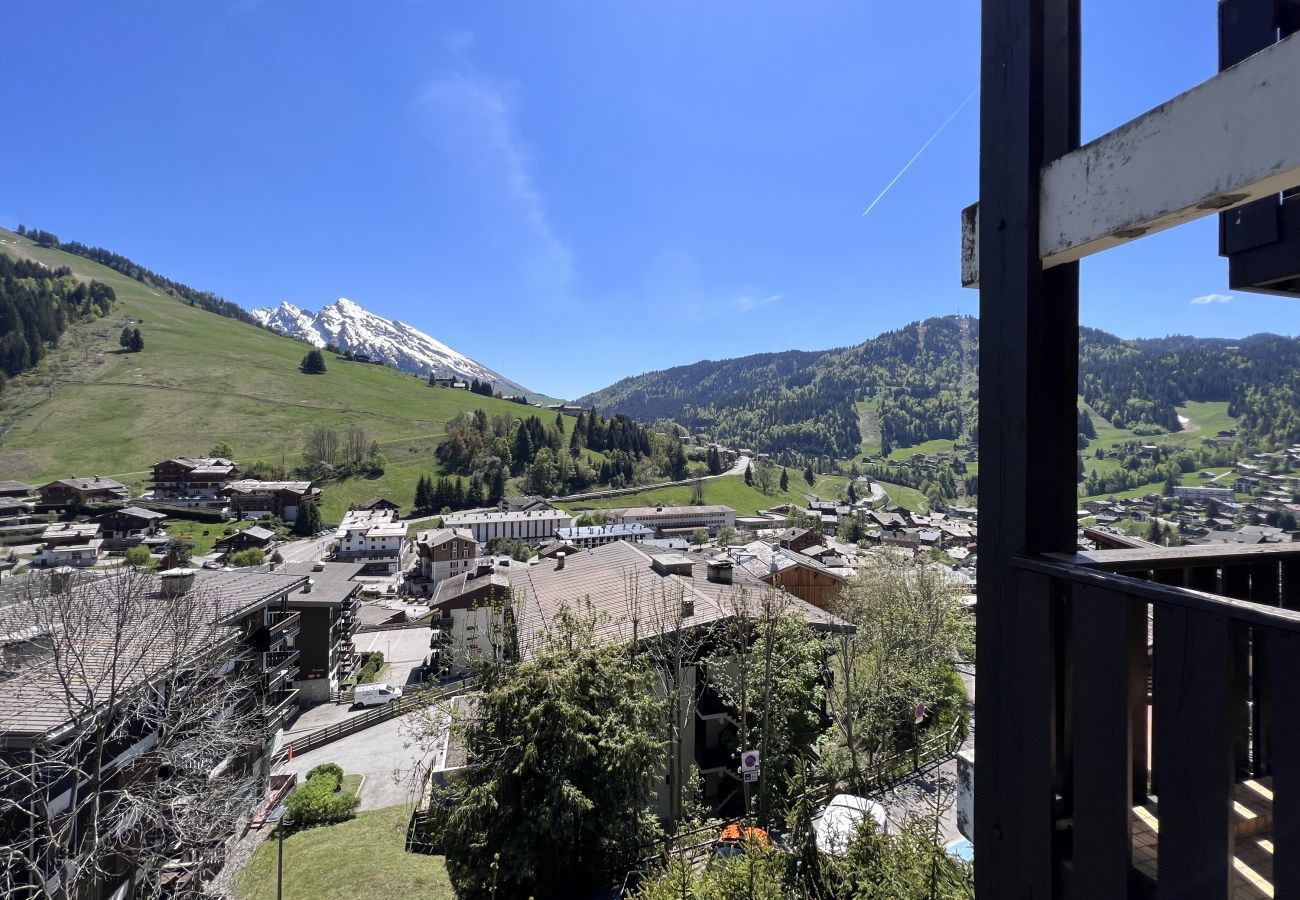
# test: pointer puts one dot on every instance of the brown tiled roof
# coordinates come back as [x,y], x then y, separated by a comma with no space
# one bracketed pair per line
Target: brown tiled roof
[39,696]
[631,598]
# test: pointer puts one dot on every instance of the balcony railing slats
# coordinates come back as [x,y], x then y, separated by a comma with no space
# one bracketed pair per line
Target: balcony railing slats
[1194,762]
[1284,675]
[1102,734]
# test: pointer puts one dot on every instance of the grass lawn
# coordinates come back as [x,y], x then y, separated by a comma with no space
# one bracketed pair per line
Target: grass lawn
[203,534]
[730,490]
[1194,479]
[1137,493]
[906,497]
[939,445]
[204,378]
[365,857]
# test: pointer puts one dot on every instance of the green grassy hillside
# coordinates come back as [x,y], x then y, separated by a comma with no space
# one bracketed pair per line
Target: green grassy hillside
[203,378]
[730,490]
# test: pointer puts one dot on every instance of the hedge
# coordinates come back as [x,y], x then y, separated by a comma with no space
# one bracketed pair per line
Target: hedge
[372,662]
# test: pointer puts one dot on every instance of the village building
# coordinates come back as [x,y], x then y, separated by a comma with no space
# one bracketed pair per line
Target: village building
[193,481]
[379,503]
[131,525]
[373,538]
[588,536]
[327,602]
[75,491]
[233,612]
[442,553]
[675,520]
[284,499]
[254,538]
[803,576]
[73,544]
[536,526]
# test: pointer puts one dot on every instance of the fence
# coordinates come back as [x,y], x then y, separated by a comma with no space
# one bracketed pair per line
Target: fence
[413,698]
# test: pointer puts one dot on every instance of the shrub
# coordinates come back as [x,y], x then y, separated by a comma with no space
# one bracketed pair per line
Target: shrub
[333,770]
[137,556]
[372,661]
[250,557]
[319,801]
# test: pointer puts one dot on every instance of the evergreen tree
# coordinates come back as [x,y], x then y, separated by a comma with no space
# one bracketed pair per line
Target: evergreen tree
[808,476]
[498,486]
[785,479]
[313,363]
[575,445]
[308,521]
[137,342]
[124,339]
[523,450]
[423,493]
[749,474]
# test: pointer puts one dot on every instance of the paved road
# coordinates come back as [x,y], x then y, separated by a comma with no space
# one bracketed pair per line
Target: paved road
[380,753]
[306,550]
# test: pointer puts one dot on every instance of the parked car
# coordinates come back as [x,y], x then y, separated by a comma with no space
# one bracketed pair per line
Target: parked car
[375,694]
[842,819]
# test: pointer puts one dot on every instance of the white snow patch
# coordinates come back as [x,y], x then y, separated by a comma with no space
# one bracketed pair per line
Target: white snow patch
[349,326]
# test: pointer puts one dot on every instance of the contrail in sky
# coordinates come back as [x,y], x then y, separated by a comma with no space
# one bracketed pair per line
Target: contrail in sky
[918,153]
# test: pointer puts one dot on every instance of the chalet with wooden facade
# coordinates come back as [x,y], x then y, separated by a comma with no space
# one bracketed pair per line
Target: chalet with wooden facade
[76,491]
[131,525]
[195,481]
[284,499]
[442,553]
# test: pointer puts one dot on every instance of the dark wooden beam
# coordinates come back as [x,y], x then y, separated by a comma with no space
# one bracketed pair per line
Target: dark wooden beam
[1194,762]
[1028,387]
[1103,767]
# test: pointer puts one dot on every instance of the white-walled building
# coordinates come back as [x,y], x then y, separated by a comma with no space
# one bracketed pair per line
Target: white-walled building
[675,518]
[587,536]
[373,537]
[535,525]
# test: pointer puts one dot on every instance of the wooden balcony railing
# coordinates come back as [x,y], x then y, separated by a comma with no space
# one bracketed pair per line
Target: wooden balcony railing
[1176,719]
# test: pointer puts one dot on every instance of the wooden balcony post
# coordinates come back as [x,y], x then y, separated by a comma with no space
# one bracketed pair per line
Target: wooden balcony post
[1029,115]
[1103,741]
[1284,673]
[1194,761]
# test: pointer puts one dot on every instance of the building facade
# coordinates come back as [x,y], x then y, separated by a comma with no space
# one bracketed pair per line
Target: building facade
[536,526]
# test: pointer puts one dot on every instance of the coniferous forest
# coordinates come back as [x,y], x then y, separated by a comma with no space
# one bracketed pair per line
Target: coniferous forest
[36,305]
[919,384]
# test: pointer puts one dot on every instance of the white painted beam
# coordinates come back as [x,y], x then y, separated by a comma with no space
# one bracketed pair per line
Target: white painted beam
[1230,140]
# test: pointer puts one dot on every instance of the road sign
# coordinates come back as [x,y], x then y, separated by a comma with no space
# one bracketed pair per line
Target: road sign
[749,761]
[751,775]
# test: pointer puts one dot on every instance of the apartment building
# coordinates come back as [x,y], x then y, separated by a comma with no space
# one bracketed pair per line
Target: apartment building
[588,536]
[669,520]
[193,481]
[536,526]
[251,497]
[374,538]
[69,661]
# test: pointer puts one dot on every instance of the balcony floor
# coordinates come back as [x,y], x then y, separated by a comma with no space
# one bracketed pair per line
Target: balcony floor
[1252,817]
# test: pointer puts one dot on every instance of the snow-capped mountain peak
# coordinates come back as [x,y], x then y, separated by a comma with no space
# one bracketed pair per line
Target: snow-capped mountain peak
[348,325]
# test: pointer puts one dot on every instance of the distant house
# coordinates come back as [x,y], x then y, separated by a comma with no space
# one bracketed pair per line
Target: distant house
[256,537]
[526,503]
[75,491]
[15,489]
[284,499]
[669,520]
[379,503]
[127,527]
[70,544]
[374,538]
[194,481]
[798,539]
[443,553]
[587,536]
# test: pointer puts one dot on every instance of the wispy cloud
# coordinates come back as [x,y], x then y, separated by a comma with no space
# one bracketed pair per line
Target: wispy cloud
[749,303]
[474,118]
[1207,299]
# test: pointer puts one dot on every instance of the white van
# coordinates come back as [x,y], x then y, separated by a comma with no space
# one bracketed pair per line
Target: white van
[375,694]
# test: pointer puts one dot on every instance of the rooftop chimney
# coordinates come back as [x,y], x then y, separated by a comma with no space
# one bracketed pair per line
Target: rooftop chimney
[177,582]
[720,571]
[688,607]
[559,561]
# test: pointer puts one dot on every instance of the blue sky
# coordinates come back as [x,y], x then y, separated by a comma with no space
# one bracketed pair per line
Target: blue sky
[571,192]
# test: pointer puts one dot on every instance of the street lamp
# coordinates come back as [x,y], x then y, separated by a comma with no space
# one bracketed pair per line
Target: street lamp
[277,816]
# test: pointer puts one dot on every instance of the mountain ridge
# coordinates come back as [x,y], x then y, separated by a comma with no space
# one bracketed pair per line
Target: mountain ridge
[349,326]
[917,381]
